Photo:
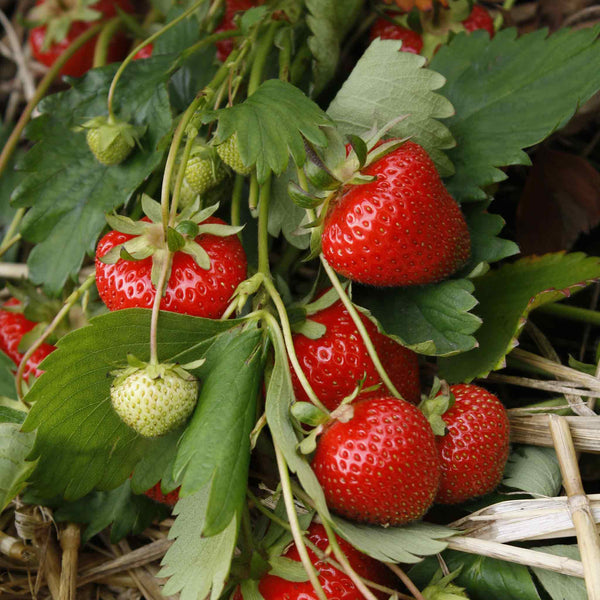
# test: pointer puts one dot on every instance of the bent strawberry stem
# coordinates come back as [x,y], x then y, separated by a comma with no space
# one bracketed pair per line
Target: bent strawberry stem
[104,39]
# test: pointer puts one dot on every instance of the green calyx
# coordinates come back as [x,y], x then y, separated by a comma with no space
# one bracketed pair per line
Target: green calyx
[436,404]
[229,151]
[59,15]
[111,140]
[442,588]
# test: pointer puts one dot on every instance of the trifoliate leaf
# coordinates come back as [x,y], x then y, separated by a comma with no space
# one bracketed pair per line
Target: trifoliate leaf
[534,470]
[14,469]
[386,84]
[271,124]
[197,566]
[81,442]
[506,297]
[433,319]
[497,88]
[66,188]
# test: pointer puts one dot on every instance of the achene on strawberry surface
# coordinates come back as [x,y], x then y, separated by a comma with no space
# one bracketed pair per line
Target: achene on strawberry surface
[402,229]
[335,363]
[382,465]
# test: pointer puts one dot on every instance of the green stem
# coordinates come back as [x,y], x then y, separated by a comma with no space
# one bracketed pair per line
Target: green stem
[208,41]
[180,176]
[162,282]
[288,500]
[146,42]
[573,313]
[265,511]
[10,238]
[260,58]
[40,92]
[360,326]
[69,302]
[253,193]
[300,63]
[263,231]
[104,39]
[236,201]
[289,344]
[285,57]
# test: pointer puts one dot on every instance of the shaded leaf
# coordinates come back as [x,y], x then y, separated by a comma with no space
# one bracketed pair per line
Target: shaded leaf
[506,297]
[433,319]
[386,84]
[559,586]
[534,470]
[497,88]
[14,470]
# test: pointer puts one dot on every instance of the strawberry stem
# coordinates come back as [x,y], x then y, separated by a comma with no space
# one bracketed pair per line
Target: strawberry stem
[103,42]
[288,500]
[236,201]
[263,231]
[573,313]
[360,326]
[11,237]
[69,303]
[162,282]
[406,580]
[260,57]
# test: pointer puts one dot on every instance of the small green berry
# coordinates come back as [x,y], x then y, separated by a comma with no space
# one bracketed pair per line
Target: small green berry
[229,152]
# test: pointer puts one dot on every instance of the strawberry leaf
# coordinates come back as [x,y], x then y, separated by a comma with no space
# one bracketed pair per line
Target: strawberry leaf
[81,442]
[67,189]
[7,378]
[559,586]
[534,470]
[14,469]
[196,564]
[506,297]
[214,451]
[407,544]
[497,88]
[125,511]
[157,465]
[329,22]
[386,84]
[271,124]
[433,319]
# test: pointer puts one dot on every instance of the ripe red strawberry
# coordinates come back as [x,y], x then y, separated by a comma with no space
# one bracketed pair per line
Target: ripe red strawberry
[232,8]
[474,452]
[191,290]
[156,494]
[381,466]
[335,363]
[386,30]
[402,229]
[13,326]
[54,14]
[336,584]
[145,52]
[479,18]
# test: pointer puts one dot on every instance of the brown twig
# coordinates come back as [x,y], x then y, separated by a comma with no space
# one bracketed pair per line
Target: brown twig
[406,580]
[70,540]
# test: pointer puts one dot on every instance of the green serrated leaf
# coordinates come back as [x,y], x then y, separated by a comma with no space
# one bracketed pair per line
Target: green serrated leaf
[497,87]
[125,511]
[534,470]
[271,124]
[395,83]
[66,188]
[407,544]
[433,319]
[559,586]
[506,297]
[14,469]
[329,22]
[215,448]
[197,566]
[81,442]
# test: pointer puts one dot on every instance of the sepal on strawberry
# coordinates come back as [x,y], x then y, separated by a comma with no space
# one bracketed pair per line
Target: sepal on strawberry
[442,587]
[111,140]
[154,399]
[433,406]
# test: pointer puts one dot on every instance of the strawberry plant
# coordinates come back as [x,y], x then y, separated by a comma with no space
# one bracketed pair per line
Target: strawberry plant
[236,256]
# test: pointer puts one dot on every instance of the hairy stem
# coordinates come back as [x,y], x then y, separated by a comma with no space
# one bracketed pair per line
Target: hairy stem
[162,283]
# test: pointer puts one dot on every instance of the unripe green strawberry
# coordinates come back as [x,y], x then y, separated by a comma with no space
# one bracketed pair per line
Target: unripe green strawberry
[154,399]
[203,171]
[229,152]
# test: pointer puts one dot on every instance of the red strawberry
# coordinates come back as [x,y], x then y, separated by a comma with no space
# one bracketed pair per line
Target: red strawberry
[232,8]
[156,494]
[191,290]
[402,229]
[51,12]
[335,363]
[13,326]
[381,466]
[336,584]
[145,52]
[386,30]
[479,18]
[474,451]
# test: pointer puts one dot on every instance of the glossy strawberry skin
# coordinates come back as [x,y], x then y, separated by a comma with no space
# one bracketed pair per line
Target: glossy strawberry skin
[479,18]
[381,466]
[13,326]
[336,584]
[83,59]
[402,229]
[156,494]
[232,7]
[335,363]
[191,290]
[386,30]
[474,452]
